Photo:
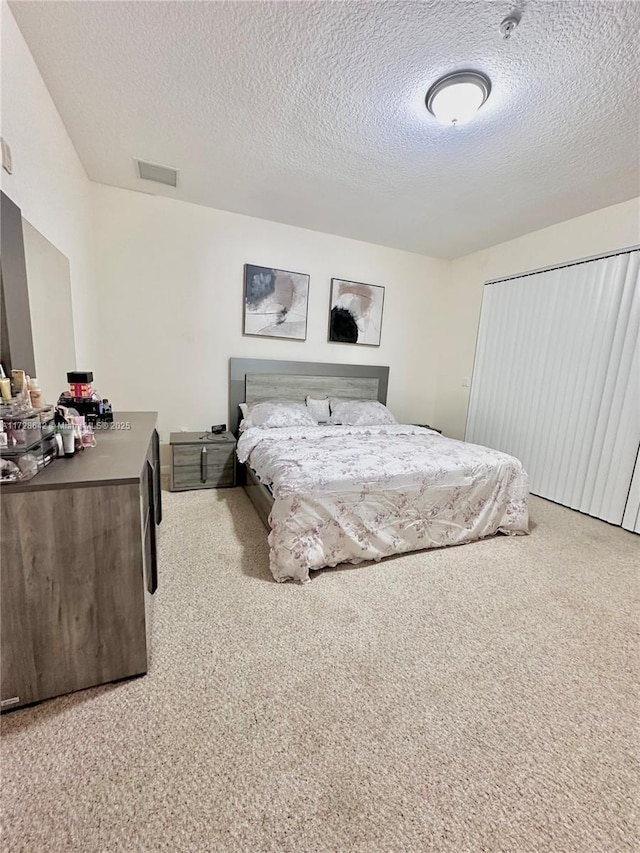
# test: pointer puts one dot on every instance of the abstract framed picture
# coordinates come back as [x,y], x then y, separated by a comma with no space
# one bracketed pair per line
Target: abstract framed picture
[355,312]
[275,303]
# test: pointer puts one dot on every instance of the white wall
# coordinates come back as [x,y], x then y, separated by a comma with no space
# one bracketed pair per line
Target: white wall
[48,182]
[605,230]
[170,281]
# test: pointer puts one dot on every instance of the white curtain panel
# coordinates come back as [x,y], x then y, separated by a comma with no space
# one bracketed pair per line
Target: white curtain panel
[556,382]
[631,518]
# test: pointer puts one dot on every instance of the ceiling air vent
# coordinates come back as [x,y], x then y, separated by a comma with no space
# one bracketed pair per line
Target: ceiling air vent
[159,174]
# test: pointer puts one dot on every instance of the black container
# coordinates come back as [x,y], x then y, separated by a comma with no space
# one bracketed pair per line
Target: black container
[80,377]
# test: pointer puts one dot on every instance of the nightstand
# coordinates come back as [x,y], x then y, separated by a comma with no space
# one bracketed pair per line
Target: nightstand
[426,426]
[201,460]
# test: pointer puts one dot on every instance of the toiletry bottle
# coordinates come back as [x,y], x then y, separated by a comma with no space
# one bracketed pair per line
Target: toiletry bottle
[5,386]
[78,424]
[19,380]
[35,392]
[68,439]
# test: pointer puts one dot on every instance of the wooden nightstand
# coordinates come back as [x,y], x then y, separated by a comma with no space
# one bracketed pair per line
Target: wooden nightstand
[202,460]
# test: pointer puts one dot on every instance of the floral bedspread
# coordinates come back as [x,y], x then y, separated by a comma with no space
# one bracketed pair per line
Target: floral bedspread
[354,493]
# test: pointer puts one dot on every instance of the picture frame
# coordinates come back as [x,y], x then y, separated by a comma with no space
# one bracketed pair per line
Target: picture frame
[355,313]
[275,303]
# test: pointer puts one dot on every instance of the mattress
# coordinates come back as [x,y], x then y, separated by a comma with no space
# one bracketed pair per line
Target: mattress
[350,494]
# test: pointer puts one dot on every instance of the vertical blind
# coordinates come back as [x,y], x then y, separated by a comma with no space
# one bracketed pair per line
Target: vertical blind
[556,382]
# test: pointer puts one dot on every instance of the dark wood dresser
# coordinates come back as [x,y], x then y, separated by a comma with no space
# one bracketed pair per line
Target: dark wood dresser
[79,566]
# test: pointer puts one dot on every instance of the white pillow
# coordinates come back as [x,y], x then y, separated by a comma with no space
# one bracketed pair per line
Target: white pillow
[319,408]
[273,413]
[360,413]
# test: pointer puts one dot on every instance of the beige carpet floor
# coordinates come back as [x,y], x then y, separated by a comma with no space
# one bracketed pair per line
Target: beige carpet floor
[479,698]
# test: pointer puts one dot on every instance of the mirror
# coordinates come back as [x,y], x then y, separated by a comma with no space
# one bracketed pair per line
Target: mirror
[49,285]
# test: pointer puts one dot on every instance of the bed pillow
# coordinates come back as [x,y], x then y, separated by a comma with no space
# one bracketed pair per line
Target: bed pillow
[360,413]
[319,408]
[273,413]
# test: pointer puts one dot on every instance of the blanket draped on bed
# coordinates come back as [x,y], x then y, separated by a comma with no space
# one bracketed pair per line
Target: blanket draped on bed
[348,494]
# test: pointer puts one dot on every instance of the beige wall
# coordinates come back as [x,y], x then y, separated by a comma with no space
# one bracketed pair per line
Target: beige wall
[169,280]
[170,284]
[604,230]
[48,182]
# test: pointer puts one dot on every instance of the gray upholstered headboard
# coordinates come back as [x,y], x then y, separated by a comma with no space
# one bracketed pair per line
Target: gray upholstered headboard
[252,379]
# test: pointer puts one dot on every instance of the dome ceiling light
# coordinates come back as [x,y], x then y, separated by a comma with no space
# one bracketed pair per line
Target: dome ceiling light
[456,98]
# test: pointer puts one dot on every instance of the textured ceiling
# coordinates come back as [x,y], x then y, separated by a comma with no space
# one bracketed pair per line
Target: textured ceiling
[312,113]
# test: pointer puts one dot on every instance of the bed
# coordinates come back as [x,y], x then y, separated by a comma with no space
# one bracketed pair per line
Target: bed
[330,494]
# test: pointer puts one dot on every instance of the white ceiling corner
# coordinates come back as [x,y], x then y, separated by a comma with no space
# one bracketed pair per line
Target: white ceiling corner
[312,113]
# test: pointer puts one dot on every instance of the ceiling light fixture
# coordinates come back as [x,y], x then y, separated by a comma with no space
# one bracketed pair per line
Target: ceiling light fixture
[456,98]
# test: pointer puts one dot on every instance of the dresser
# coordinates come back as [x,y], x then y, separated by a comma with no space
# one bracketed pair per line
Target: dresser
[79,566]
[202,460]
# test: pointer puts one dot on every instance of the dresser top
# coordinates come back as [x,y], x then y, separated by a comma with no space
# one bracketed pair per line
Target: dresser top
[117,458]
[202,437]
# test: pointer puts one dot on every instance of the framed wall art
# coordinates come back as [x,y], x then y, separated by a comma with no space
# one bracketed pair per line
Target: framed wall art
[355,312]
[275,303]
